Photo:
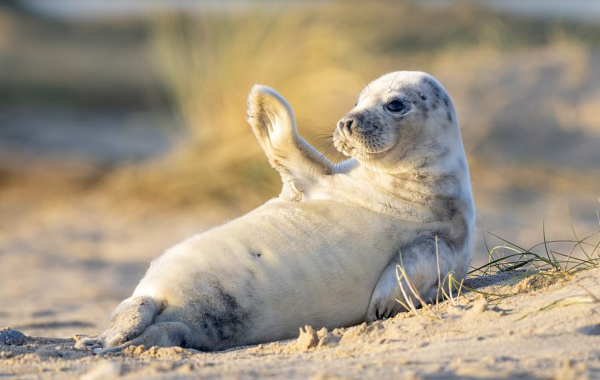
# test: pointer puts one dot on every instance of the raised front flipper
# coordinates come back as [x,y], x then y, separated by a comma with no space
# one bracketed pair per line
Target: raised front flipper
[274,125]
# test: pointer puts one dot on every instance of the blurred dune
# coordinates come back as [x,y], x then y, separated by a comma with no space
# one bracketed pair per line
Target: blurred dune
[148,108]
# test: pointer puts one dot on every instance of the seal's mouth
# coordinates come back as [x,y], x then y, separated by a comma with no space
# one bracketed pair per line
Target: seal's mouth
[356,144]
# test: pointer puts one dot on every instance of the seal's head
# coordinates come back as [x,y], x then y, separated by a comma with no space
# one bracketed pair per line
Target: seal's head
[403,117]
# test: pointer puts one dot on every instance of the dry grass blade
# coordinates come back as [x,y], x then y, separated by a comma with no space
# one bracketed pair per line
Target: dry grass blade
[437,259]
[402,275]
[575,233]
[563,302]
[408,304]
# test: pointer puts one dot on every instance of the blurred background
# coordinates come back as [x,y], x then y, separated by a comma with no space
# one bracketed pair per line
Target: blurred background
[122,124]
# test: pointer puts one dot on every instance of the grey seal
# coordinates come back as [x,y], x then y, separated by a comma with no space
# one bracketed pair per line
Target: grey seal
[325,252]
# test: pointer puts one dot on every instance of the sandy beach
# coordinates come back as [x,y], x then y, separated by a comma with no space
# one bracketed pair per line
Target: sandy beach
[66,264]
[122,133]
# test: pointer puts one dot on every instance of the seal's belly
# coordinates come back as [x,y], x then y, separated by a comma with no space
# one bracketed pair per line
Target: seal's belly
[287,264]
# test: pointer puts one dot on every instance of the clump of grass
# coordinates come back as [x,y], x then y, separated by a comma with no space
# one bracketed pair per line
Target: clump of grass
[543,264]
[510,256]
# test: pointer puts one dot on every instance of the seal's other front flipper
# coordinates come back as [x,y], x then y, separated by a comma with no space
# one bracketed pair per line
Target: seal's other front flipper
[420,265]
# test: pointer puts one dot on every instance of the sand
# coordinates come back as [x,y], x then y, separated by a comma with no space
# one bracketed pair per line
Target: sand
[66,262]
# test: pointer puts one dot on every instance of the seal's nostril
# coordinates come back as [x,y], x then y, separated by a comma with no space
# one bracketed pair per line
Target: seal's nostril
[345,125]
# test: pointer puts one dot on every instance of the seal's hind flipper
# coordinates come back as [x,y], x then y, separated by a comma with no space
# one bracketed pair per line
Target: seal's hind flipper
[164,334]
[129,320]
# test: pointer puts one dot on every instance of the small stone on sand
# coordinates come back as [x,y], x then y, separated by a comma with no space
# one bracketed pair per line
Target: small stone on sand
[11,337]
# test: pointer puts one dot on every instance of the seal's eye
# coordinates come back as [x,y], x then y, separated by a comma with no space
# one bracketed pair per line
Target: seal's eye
[395,106]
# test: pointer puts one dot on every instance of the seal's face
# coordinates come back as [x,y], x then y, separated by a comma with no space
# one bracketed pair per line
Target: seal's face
[393,115]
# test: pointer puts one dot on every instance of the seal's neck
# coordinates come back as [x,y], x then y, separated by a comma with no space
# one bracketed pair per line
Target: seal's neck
[438,173]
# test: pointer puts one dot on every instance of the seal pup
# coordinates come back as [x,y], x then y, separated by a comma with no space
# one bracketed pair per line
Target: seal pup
[407,161]
[324,253]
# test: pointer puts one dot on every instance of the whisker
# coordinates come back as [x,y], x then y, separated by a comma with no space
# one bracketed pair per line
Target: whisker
[323,159]
[322,138]
[358,82]
[393,80]
[363,77]
[323,146]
